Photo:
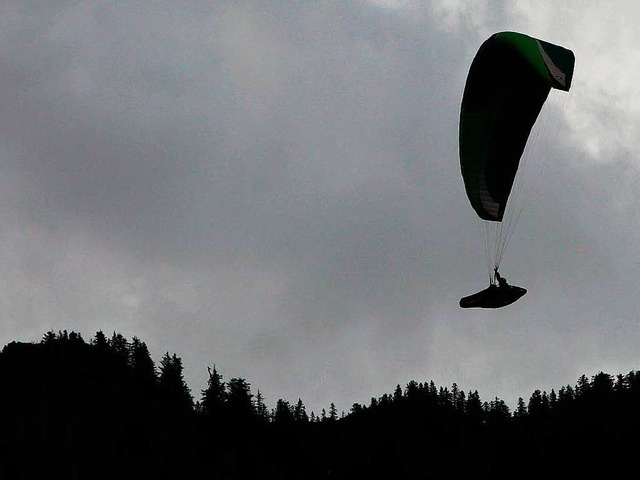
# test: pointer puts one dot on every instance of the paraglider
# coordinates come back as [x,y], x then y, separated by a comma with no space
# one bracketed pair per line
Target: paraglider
[508,82]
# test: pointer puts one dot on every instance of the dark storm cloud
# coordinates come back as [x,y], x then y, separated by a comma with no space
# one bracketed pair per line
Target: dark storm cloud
[275,188]
[237,143]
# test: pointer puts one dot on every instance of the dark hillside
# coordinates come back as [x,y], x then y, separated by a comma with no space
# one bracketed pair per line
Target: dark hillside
[74,410]
[103,410]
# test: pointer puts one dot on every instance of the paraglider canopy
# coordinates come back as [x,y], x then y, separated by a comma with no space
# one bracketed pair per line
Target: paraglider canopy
[507,85]
[508,82]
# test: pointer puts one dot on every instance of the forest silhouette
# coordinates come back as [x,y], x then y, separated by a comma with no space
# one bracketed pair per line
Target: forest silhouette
[103,409]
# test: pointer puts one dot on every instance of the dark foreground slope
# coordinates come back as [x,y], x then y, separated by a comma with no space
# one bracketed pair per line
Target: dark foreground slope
[73,410]
[102,409]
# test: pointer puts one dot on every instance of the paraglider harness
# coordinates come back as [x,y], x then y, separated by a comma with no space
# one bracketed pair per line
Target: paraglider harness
[499,294]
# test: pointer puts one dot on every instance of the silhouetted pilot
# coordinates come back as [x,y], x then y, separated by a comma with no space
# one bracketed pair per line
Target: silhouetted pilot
[502,282]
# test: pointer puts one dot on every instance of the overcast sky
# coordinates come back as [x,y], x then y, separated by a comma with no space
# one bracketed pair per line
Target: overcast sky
[274,187]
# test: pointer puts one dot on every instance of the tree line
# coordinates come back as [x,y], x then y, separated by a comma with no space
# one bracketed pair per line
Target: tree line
[104,409]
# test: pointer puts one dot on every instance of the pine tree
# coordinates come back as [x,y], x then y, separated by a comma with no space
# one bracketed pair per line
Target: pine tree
[397,394]
[144,370]
[473,407]
[299,413]
[283,414]
[215,395]
[48,338]
[333,412]
[455,396]
[461,402]
[172,384]
[444,397]
[553,399]
[239,400]
[565,395]
[100,341]
[632,381]
[602,384]
[537,405]
[546,403]
[583,386]
[119,346]
[498,412]
[432,390]
[76,338]
[413,390]
[261,409]
[521,409]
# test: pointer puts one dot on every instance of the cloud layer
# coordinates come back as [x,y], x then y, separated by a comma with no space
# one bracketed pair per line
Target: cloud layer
[276,190]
